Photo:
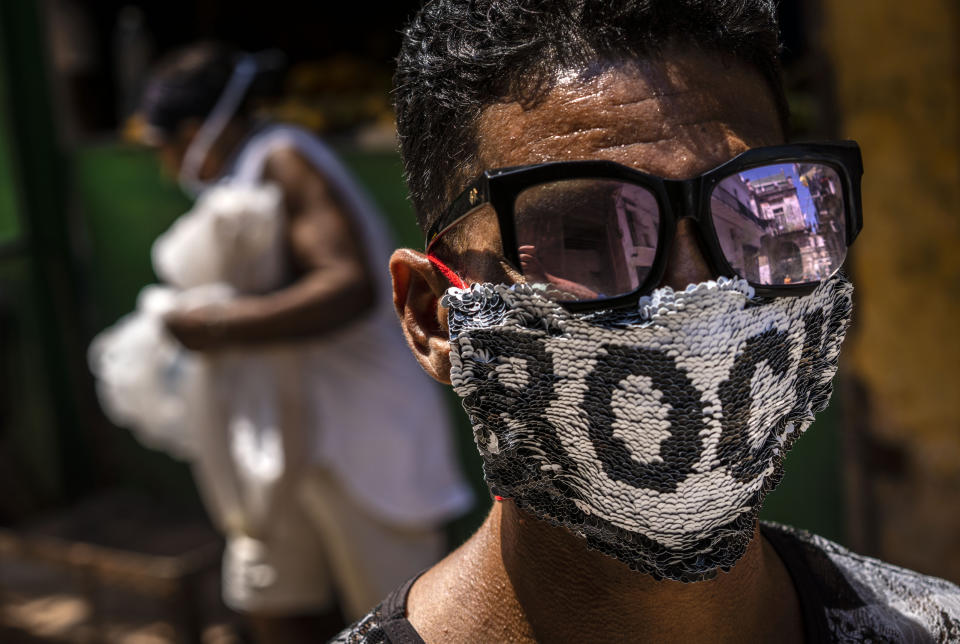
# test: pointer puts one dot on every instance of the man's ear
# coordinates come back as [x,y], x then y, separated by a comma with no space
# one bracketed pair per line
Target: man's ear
[417,288]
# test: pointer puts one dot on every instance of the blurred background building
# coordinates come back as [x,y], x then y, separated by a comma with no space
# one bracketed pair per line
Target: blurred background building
[90,519]
[896,70]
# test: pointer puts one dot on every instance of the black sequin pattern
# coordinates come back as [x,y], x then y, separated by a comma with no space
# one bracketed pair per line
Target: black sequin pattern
[367,630]
[867,600]
[653,433]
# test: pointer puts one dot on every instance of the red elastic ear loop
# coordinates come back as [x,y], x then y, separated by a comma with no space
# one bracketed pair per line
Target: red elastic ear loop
[452,277]
[455,280]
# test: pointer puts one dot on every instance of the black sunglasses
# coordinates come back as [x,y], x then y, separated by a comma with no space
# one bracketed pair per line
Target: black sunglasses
[597,233]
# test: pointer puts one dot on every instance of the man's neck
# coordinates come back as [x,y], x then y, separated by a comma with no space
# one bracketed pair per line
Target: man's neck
[519,579]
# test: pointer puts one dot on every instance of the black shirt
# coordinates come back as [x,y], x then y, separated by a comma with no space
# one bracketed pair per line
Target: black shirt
[844,597]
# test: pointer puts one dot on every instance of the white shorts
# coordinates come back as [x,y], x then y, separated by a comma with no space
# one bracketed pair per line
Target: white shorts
[320,544]
[295,536]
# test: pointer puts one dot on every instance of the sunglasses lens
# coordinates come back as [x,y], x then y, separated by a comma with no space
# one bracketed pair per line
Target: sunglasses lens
[586,239]
[781,224]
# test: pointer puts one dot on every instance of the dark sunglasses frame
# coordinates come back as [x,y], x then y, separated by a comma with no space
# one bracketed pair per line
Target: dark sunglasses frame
[675,198]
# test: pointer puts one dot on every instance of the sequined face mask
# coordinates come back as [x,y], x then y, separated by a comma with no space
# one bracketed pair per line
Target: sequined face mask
[654,434]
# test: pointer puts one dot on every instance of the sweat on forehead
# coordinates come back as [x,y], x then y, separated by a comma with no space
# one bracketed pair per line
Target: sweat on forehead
[674,117]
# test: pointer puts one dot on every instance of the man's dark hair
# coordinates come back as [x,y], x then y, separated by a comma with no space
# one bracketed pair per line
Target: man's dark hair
[461,56]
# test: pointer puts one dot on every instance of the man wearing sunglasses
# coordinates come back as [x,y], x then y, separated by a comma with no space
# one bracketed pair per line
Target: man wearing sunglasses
[635,287]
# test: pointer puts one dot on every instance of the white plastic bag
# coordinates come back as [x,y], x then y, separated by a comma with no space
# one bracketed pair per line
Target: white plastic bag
[232,241]
[146,380]
[234,234]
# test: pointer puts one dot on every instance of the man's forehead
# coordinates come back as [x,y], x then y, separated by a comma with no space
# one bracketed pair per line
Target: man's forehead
[674,117]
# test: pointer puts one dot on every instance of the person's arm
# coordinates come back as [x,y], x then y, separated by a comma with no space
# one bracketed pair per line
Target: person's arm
[334,285]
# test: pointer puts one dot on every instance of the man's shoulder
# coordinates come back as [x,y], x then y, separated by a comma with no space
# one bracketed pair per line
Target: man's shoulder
[386,623]
[368,630]
[863,598]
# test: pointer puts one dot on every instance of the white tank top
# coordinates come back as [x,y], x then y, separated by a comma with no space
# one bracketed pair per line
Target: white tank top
[377,420]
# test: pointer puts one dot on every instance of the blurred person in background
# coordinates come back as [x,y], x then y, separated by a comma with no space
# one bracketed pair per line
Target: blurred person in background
[319,447]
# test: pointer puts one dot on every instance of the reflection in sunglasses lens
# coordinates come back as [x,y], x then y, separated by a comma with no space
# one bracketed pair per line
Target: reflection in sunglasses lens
[781,224]
[583,239]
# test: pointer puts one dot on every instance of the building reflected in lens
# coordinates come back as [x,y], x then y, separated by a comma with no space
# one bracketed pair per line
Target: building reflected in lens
[781,224]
